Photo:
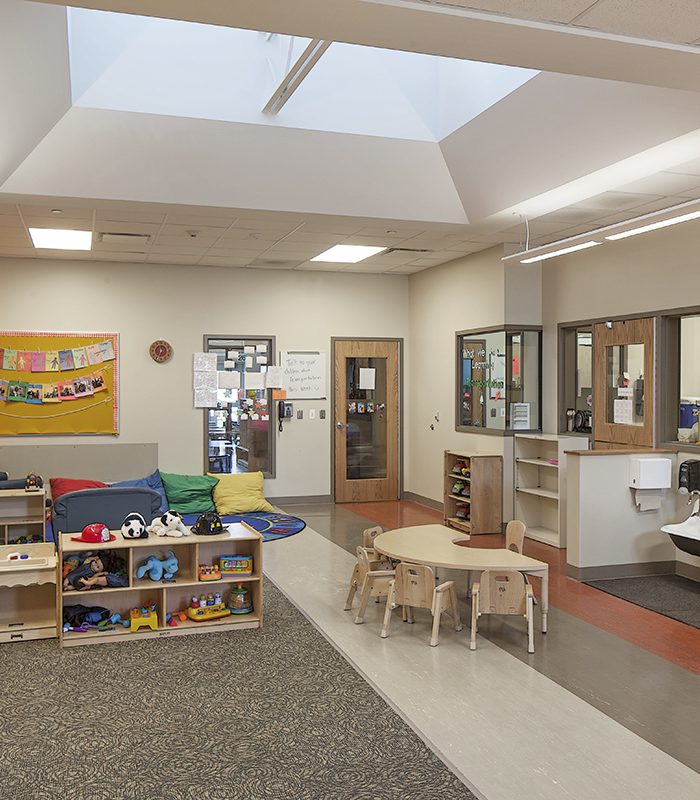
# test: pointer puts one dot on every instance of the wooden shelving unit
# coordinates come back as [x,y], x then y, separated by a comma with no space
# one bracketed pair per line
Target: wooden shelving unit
[169,597]
[27,593]
[22,514]
[540,485]
[483,504]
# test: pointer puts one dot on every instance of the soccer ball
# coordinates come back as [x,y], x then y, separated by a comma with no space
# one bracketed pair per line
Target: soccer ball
[134,526]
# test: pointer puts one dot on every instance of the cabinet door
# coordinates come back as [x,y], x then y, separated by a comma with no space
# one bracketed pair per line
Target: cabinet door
[623,395]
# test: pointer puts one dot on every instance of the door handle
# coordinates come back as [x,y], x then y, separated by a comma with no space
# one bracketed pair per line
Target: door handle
[339,425]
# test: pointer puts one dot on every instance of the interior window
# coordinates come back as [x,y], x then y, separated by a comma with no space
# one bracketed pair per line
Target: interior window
[577,367]
[689,406]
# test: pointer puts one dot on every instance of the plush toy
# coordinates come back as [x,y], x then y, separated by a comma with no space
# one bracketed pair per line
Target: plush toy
[170,524]
[134,526]
[159,568]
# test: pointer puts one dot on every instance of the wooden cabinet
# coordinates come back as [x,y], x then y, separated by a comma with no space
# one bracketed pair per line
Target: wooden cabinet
[170,598]
[473,498]
[540,484]
[27,592]
[22,516]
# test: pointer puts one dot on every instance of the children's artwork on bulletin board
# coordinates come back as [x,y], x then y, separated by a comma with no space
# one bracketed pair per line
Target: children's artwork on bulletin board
[59,383]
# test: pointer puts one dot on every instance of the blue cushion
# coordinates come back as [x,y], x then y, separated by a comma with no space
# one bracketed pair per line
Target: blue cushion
[152,481]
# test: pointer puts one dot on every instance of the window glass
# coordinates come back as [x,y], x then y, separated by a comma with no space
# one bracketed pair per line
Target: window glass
[689,407]
[239,432]
[625,384]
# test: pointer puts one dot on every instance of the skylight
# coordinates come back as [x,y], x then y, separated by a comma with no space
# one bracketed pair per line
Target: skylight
[157,66]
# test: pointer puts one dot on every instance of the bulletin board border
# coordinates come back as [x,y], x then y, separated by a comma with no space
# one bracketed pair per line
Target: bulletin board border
[80,334]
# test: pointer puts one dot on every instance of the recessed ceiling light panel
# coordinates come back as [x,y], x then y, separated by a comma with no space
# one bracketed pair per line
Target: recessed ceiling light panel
[348,253]
[54,239]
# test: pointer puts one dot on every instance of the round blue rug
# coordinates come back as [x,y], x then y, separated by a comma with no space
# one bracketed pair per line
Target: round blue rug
[271,525]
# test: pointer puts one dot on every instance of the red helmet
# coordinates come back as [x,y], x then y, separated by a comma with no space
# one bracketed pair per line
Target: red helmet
[95,533]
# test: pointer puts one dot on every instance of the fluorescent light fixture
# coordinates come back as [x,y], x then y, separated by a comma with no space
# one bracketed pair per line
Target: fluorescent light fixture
[54,239]
[563,251]
[665,223]
[348,253]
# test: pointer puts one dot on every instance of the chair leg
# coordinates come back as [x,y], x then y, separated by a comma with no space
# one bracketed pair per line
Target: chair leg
[455,609]
[475,617]
[387,612]
[438,608]
[530,625]
[353,589]
[364,599]
[409,615]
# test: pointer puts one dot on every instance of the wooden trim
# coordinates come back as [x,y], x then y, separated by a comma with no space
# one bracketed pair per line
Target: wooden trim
[617,451]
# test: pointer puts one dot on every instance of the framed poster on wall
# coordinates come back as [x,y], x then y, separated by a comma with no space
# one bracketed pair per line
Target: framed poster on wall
[59,383]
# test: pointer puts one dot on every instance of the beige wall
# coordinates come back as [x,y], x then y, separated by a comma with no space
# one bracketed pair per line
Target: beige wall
[180,304]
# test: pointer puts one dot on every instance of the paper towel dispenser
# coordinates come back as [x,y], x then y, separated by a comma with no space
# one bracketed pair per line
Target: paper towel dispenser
[650,473]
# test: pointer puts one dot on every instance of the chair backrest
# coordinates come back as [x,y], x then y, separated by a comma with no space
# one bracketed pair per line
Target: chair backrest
[365,557]
[502,592]
[515,535]
[415,584]
[370,534]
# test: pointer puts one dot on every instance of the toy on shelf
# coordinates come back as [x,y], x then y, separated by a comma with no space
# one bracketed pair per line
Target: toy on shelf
[117,619]
[236,566]
[460,488]
[205,608]
[80,618]
[170,620]
[240,601]
[94,570]
[144,617]
[209,573]
[169,524]
[134,526]
[33,482]
[159,568]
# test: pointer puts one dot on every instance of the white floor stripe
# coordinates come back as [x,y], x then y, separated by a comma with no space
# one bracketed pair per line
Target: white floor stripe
[506,729]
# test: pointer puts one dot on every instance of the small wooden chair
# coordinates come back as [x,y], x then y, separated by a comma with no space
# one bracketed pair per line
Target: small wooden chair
[414,587]
[515,535]
[370,534]
[503,592]
[369,579]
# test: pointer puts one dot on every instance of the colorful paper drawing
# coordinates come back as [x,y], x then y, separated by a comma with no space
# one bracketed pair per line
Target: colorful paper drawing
[50,393]
[2,356]
[9,360]
[82,386]
[35,393]
[94,354]
[98,382]
[3,390]
[52,361]
[66,390]
[39,361]
[17,391]
[24,361]
[107,349]
[65,358]
[80,358]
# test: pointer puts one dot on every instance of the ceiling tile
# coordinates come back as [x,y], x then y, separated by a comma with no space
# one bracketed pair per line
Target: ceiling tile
[100,255]
[676,21]
[663,183]
[58,223]
[119,226]
[398,231]
[118,214]
[408,270]
[170,258]
[321,266]
[202,242]
[224,261]
[551,10]
[240,252]
[83,213]
[616,201]
[187,219]
[178,249]
[8,210]
[688,168]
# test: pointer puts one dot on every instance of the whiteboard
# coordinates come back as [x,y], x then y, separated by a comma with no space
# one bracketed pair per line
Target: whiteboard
[304,375]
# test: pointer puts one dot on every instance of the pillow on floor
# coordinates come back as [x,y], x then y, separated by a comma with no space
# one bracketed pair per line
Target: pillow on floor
[189,494]
[152,481]
[61,486]
[240,494]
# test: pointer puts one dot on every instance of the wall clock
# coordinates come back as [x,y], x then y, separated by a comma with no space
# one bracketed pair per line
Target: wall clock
[160,351]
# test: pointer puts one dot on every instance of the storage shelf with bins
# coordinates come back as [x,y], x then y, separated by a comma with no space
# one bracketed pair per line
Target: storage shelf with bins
[27,592]
[22,514]
[170,597]
[481,502]
[540,485]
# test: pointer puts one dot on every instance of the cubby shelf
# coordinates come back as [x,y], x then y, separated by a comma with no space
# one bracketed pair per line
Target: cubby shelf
[485,500]
[27,592]
[169,596]
[22,513]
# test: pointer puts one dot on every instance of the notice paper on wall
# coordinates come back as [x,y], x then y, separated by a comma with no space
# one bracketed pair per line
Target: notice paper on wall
[261,348]
[261,359]
[622,412]
[249,362]
[367,378]
[204,379]
[229,380]
[205,362]
[255,380]
[304,375]
[233,355]
[229,365]
[248,349]
[205,398]
[275,378]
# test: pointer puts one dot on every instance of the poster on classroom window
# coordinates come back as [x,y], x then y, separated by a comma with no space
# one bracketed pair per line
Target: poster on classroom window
[59,383]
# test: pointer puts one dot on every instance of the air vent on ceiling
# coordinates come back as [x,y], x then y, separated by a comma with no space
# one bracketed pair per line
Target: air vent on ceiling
[136,242]
[404,250]
[274,262]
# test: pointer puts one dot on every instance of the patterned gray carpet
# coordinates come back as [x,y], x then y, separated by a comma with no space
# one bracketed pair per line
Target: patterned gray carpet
[276,713]
[670,595]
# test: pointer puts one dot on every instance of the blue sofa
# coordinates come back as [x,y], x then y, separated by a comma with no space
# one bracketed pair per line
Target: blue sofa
[74,510]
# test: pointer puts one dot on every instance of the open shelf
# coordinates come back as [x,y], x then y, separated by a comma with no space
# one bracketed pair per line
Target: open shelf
[546,535]
[538,462]
[539,492]
[460,498]
[485,499]
[456,522]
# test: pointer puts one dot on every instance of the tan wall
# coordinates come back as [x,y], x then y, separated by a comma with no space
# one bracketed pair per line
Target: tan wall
[180,304]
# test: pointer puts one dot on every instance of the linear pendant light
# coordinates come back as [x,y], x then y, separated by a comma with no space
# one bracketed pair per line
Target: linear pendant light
[654,226]
[563,251]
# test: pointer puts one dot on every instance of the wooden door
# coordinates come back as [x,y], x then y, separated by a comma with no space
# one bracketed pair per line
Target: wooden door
[366,420]
[623,391]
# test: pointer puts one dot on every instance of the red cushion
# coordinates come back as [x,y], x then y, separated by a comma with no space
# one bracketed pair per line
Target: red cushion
[61,486]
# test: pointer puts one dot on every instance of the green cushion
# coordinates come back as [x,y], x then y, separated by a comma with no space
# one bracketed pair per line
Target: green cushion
[189,494]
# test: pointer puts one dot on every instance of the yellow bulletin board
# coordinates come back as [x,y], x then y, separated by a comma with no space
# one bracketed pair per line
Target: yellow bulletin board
[76,393]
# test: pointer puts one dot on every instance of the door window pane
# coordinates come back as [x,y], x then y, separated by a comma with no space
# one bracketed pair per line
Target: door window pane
[689,380]
[366,430]
[625,384]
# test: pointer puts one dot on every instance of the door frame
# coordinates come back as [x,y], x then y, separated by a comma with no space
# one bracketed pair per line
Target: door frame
[400,342]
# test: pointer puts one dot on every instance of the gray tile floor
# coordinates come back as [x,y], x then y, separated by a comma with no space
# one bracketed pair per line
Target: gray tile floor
[650,696]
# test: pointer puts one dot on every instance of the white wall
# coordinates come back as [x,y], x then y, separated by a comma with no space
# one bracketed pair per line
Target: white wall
[147,302]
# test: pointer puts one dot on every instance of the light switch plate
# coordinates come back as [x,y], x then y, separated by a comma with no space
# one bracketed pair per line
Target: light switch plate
[322,413]
[300,414]
[312,413]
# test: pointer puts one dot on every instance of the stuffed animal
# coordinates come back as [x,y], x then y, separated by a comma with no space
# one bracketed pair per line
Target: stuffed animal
[159,568]
[170,524]
[134,526]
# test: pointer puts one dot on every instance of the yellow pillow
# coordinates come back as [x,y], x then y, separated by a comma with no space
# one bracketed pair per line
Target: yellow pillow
[239,494]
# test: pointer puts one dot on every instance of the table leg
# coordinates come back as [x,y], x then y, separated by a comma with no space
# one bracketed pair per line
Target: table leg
[545,599]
